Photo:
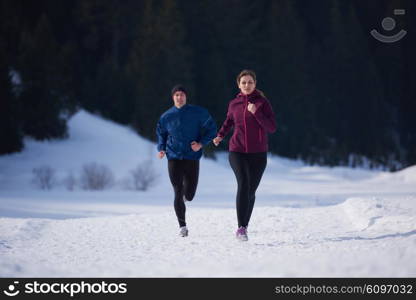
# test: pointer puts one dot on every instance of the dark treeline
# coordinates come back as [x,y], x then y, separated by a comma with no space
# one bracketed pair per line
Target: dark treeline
[339,94]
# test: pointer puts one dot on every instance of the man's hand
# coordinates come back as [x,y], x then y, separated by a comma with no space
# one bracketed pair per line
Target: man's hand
[196,146]
[161,154]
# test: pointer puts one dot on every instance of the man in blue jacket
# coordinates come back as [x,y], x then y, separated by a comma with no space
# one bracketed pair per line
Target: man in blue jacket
[182,131]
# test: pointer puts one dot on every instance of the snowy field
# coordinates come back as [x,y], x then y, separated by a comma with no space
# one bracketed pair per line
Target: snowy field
[307,222]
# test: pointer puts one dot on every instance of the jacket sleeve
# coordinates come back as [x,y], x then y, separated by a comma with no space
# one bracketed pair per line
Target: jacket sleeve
[266,118]
[162,136]
[209,129]
[227,125]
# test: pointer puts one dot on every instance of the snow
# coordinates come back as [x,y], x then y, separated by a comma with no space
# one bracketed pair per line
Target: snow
[308,221]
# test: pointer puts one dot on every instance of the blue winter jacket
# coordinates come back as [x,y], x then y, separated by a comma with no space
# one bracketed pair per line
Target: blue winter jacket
[179,127]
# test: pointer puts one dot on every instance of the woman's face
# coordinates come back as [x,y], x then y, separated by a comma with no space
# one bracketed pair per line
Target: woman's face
[179,98]
[247,84]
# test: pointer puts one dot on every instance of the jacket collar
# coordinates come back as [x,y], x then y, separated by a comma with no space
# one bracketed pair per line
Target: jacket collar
[174,108]
[251,97]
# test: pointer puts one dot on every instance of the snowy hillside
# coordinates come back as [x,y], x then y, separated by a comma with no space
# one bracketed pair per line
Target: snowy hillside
[308,221]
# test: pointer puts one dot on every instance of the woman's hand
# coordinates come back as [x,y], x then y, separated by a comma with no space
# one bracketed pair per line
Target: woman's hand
[251,107]
[161,154]
[217,140]
[196,146]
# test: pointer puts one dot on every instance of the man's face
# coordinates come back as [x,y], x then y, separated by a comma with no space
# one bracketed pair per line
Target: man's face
[179,98]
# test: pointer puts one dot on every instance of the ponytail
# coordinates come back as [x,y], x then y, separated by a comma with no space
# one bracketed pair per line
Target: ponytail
[261,93]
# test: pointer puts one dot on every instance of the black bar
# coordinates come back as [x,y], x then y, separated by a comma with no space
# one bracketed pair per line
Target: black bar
[195,288]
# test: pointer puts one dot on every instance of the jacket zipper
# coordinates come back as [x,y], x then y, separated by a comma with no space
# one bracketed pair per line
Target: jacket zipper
[245,124]
[260,137]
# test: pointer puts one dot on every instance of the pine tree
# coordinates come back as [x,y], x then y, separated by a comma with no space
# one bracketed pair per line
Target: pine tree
[407,106]
[355,94]
[159,59]
[10,125]
[284,50]
[43,102]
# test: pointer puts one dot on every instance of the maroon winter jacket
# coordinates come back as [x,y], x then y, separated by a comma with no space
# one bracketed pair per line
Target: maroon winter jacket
[250,130]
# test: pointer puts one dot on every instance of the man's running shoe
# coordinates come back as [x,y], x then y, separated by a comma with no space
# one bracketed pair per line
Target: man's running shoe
[183,231]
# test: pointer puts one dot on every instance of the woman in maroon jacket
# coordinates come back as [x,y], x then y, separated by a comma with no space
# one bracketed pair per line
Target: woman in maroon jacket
[252,117]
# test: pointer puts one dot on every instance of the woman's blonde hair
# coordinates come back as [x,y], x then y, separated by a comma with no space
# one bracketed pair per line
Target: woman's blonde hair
[249,73]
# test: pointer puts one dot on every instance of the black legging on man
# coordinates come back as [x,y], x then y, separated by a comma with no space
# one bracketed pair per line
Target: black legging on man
[183,175]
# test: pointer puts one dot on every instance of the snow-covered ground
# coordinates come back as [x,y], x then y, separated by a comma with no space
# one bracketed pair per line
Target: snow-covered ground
[308,221]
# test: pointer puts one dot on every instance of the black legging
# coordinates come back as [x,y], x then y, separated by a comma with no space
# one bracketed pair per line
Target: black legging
[183,175]
[248,169]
